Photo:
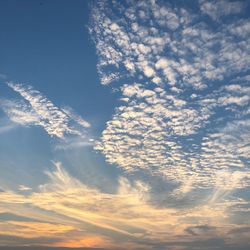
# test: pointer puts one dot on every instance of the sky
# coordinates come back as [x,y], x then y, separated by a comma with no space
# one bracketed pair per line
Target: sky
[125,124]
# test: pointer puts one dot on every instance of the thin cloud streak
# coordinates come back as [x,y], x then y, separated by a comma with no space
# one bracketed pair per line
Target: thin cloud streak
[39,111]
[125,216]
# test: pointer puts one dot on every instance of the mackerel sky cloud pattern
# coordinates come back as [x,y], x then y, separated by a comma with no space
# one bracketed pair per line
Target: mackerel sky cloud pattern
[185,111]
[39,111]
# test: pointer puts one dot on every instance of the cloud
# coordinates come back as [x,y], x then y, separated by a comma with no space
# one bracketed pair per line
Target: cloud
[143,135]
[19,112]
[32,229]
[36,109]
[6,127]
[90,216]
[74,144]
[221,8]
[10,242]
[202,229]
[129,44]
[183,84]
[24,188]
[71,113]
[182,88]
[13,217]
[240,230]
[42,240]
[155,112]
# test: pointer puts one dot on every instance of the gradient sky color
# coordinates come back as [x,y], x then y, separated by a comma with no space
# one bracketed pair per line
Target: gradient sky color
[125,124]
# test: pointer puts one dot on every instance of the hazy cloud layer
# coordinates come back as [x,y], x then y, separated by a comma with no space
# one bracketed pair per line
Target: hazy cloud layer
[84,216]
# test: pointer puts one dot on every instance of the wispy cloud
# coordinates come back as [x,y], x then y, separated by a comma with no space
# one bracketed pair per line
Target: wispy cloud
[37,110]
[74,143]
[221,8]
[126,216]
[6,127]
[24,188]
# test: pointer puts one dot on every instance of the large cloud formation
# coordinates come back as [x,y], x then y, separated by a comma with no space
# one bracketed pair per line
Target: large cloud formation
[75,215]
[185,114]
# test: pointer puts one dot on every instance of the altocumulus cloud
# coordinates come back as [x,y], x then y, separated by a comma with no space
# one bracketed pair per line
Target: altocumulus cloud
[185,113]
[36,109]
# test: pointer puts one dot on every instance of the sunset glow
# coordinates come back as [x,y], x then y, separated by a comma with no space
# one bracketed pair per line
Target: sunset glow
[125,125]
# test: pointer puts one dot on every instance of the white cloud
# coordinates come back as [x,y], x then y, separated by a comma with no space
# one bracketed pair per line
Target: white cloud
[39,111]
[148,71]
[219,8]
[74,143]
[191,53]
[20,112]
[241,101]
[180,64]
[24,188]
[6,126]
[140,135]
[72,114]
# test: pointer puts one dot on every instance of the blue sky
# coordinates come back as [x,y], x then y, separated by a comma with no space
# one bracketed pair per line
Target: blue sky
[125,124]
